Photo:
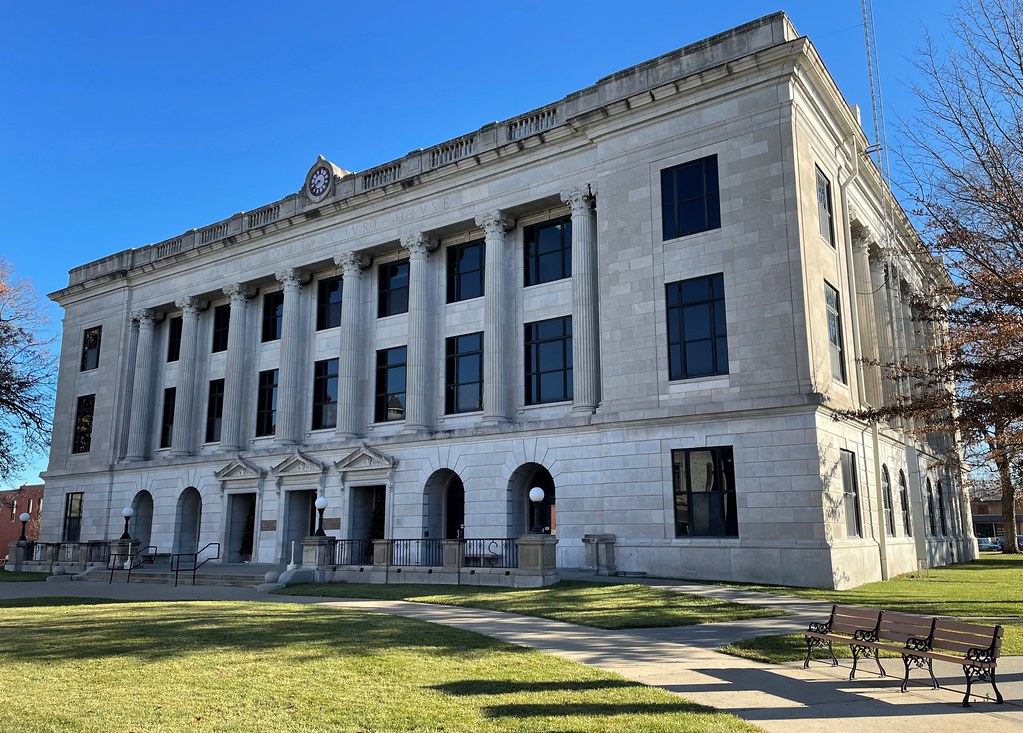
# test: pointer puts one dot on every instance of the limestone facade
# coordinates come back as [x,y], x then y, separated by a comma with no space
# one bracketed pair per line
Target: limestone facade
[800,213]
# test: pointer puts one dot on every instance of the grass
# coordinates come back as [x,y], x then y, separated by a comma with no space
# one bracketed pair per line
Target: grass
[20,576]
[95,667]
[988,590]
[601,605]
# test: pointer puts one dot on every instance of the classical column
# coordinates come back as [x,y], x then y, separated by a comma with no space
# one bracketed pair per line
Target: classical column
[234,375]
[495,317]
[883,329]
[418,412]
[129,379]
[350,405]
[289,409]
[142,386]
[864,292]
[181,437]
[585,337]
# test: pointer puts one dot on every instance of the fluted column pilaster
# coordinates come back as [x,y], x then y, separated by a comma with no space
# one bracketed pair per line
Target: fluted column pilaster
[289,427]
[181,437]
[234,374]
[864,292]
[142,387]
[883,329]
[418,412]
[129,378]
[495,317]
[351,406]
[585,337]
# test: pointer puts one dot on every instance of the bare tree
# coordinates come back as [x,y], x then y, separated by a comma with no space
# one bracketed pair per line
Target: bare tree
[28,373]
[964,163]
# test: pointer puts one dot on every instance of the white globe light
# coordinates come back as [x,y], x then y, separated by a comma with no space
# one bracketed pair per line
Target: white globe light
[536,494]
[24,516]
[322,503]
[127,512]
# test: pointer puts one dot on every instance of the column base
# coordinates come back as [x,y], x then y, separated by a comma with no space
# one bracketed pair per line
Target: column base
[584,409]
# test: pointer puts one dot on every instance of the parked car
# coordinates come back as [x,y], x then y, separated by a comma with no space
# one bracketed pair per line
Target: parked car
[985,544]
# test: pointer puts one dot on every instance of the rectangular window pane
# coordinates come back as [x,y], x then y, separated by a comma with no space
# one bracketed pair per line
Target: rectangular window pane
[266,403]
[167,421]
[464,373]
[174,338]
[548,251]
[91,339]
[824,210]
[703,482]
[393,294]
[221,322]
[390,392]
[325,394]
[465,271]
[697,331]
[832,304]
[548,360]
[81,441]
[73,516]
[690,200]
[215,411]
[851,495]
[328,303]
[273,316]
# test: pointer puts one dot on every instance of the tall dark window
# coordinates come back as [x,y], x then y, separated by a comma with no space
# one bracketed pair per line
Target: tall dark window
[548,251]
[465,271]
[930,508]
[81,441]
[703,483]
[697,336]
[549,361]
[851,495]
[390,397]
[325,394]
[907,522]
[273,316]
[215,411]
[174,338]
[886,496]
[464,380]
[825,214]
[835,340]
[221,323]
[690,201]
[393,289]
[941,509]
[266,403]
[90,347]
[73,516]
[167,420]
[328,303]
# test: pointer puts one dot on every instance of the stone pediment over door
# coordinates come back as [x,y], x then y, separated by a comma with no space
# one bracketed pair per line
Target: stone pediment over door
[299,466]
[366,465]
[239,470]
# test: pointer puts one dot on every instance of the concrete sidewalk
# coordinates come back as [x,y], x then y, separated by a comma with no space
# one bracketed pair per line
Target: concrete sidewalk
[681,660]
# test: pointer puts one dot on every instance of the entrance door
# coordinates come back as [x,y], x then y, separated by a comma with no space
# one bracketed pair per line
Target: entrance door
[142,521]
[189,517]
[368,512]
[299,521]
[241,527]
[454,510]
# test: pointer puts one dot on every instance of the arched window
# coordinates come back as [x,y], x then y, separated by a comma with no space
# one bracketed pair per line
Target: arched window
[886,495]
[930,508]
[907,523]
[941,508]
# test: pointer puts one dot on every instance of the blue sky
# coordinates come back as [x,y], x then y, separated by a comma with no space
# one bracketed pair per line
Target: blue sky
[125,123]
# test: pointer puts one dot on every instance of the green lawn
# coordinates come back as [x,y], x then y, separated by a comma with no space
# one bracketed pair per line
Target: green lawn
[602,605]
[989,590]
[97,667]
[19,576]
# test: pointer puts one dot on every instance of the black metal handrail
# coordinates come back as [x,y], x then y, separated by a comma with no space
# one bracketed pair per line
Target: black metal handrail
[417,553]
[351,552]
[129,564]
[490,552]
[177,557]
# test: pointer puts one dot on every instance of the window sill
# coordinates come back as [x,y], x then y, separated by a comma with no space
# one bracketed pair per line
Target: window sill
[691,384]
[541,405]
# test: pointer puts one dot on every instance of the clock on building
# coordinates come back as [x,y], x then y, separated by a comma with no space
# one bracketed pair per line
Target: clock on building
[319,181]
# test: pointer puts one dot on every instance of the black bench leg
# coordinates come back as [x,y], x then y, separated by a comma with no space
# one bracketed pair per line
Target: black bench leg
[969,684]
[877,659]
[930,668]
[809,651]
[856,658]
[834,661]
[998,695]
[905,680]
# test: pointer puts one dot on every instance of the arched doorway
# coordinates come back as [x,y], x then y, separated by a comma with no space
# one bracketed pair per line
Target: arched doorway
[189,516]
[444,505]
[520,508]
[141,526]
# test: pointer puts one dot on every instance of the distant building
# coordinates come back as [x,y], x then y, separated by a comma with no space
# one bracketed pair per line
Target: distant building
[648,299]
[986,508]
[27,498]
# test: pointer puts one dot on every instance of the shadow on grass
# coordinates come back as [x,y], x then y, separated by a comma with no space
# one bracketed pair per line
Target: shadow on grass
[90,629]
[509,687]
[610,709]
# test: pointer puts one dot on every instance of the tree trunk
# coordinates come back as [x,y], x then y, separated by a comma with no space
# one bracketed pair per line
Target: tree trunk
[1001,457]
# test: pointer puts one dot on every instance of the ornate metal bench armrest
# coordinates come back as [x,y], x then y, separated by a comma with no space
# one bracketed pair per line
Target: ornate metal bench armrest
[914,644]
[816,628]
[984,656]
[865,635]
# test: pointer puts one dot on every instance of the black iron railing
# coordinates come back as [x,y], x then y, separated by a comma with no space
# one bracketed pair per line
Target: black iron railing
[189,561]
[490,553]
[127,561]
[68,553]
[351,552]
[417,553]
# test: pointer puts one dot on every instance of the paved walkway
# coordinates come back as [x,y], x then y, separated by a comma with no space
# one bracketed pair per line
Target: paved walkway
[681,660]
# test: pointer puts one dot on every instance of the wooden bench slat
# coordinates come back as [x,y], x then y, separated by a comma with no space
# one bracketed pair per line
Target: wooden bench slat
[968,628]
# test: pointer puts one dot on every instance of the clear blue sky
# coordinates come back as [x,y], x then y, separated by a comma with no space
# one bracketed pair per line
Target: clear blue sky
[125,123]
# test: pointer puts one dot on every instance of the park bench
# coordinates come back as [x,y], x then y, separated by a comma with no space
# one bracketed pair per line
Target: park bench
[919,640]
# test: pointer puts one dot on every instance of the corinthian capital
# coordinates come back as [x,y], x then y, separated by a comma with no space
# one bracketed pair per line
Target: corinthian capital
[146,316]
[292,277]
[418,244]
[352,264]
[494,222]
[191,305]
[238,293]
[579,198]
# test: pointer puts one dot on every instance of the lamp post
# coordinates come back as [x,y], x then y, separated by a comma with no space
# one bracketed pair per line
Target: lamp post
[24,517]
[127,513]
[536,496]
[321,504]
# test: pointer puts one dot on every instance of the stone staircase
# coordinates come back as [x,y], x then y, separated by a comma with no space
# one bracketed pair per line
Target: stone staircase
[238,575]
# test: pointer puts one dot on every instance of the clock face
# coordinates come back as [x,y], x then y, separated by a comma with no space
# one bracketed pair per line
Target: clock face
[319,181]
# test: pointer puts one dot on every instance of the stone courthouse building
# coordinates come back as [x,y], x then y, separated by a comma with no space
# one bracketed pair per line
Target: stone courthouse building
[648,298]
